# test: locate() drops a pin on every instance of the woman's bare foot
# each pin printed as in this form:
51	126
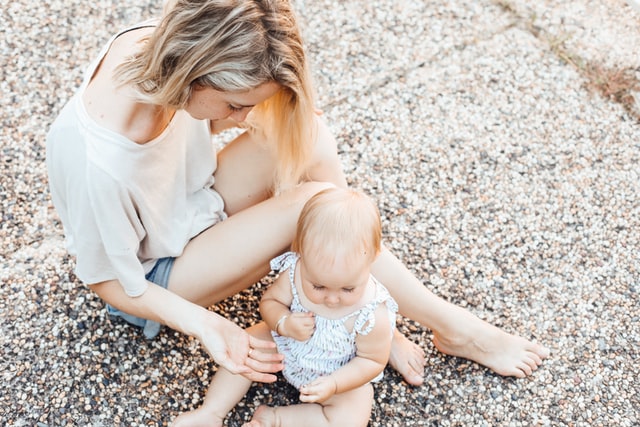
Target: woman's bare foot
198	418
503	353
407	358
263	417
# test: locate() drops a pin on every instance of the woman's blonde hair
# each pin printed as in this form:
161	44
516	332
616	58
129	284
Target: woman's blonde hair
233	46
339	220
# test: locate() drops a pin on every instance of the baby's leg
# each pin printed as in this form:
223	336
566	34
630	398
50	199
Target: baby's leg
351	408
224	393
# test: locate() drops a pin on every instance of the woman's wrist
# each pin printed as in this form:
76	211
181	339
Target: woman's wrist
165	307
194	320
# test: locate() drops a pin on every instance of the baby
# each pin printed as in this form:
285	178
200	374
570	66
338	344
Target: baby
330	318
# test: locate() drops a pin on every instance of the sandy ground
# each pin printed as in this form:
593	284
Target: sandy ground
506	181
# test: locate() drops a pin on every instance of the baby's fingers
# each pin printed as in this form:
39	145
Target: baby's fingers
308	398
302	315
307	395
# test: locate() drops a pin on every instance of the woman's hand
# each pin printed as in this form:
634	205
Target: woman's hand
318	390
228	344
237	351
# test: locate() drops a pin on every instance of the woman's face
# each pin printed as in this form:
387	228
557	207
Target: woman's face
208	103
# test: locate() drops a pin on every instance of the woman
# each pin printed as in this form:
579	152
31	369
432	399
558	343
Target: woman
162	226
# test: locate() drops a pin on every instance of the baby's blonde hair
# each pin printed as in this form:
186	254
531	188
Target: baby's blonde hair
233	46
339	220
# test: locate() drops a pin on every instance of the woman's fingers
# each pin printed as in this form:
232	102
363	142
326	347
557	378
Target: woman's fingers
264	351
252	369
265	357
261	377
263	360
240	353
257	343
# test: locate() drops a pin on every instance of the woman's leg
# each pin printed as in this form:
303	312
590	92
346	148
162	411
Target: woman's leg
457	332
234	254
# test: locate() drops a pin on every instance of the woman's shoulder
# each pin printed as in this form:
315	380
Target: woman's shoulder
113	106
125	44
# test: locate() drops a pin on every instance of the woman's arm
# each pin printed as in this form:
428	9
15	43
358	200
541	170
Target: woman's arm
227	343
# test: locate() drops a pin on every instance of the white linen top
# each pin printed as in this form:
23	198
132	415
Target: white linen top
332	345
124	205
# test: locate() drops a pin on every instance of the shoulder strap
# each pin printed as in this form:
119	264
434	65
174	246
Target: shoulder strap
91	69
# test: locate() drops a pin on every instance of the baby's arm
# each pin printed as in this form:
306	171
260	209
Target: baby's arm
372	355
274	309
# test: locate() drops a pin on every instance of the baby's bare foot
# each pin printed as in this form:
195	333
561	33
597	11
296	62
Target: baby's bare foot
198	418
407	358
264	416
503	353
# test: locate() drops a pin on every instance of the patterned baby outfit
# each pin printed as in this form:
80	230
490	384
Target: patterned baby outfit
331	346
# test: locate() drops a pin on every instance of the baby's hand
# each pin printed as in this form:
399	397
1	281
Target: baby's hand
299	326
318	390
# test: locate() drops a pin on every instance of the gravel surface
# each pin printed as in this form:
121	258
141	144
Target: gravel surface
506	179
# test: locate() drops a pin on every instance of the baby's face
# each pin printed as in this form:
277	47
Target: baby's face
335	282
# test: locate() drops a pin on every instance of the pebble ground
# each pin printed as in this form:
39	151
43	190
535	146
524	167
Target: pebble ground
505	180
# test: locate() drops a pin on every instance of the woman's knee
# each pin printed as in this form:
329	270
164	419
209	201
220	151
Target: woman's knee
325	163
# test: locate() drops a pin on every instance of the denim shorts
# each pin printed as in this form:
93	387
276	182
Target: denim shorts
159	275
